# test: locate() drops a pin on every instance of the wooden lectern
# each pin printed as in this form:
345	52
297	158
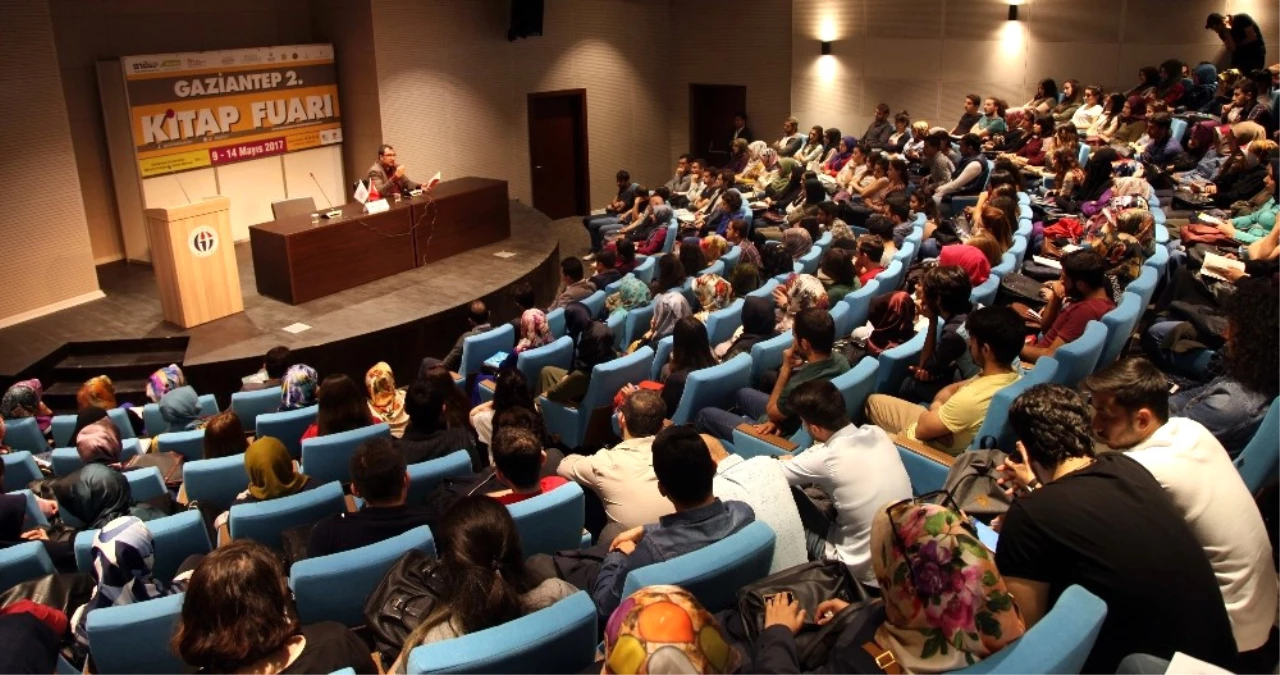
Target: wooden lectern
194	258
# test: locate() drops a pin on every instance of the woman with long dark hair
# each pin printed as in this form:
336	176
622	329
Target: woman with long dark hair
690	351
342	407
594	347
1097	180
483	576
671	275
511	390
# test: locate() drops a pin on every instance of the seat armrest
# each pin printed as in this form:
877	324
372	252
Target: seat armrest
924	450
489	384
776	441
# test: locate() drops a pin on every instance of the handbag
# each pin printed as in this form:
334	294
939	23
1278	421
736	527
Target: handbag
64	592
169	464
810	584
1199	233
972	482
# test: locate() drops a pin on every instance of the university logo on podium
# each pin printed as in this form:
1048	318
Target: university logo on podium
203	241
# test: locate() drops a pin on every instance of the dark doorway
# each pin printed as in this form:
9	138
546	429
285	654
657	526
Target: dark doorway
558	152
711	111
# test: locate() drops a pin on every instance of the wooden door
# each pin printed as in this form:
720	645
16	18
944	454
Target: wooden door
558	152
711	111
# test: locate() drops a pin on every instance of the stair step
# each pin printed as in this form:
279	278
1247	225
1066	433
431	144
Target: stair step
61	396
156	358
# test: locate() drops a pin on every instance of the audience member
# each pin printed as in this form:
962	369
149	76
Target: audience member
606	270
876	137
224	436
1242	38
690	351
510	390
685	476
945	292
99	392
953	418
593	348
1080	296
891	321
759	483
970	173
837	265
427	435
386	402
712	293
1103	522
792	140
380	477
758	324
518	456
159	383
237	617
969	117
341	406
272	473
180	410
869	257
298	388
477	322
575	288
623	476
274	365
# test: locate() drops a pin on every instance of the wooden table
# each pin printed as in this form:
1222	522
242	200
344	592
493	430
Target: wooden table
297	259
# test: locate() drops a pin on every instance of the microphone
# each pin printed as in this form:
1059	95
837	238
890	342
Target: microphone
180	187
332	212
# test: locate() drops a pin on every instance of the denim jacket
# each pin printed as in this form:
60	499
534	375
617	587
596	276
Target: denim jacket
675	534
1226	408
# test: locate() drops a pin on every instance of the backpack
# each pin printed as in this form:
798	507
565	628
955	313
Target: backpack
1015	287
971	482
406	595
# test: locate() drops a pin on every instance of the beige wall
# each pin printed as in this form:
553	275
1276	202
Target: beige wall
88	30
453	89
45	257
925	55
348	25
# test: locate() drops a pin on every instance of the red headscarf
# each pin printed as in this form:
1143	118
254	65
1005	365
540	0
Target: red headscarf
973	261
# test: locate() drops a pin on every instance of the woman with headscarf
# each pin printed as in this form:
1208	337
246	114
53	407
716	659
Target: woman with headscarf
837	161
807	202
668	308
1133	124
713	293
755	165
298	387
758	324
801	292
577	317
123	555
271	472
739	155
664	629
595	346
23	399
796	241
1172	86
938	585
163	381
1203	89
98	442
968	258
890	322
534	331
97	391
95	495
180	409
1125	244
386	402
1148	80
713	247
631	294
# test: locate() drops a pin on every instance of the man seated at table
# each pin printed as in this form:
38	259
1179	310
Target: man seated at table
388	177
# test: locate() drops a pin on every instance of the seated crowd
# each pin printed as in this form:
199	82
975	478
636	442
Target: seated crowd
1121	481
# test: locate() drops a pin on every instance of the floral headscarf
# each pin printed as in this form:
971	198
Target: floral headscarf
946	605
664	629
796	241
713	292
123	555
755	149
769	157
840	231
534	331
803	291
298	387
631	294
386	402
163	381
714	246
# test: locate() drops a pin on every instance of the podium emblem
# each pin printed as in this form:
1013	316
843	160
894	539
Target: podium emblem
203	241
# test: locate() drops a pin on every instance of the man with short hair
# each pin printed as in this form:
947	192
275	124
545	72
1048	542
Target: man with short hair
622	476
792	140
970	116
378	476
970	174
946	291
809	358
622	203
738	234
877	134
606	264
1103	522
387	177
478	322
274	364
685	477
880	226
679	183
1130	401
829	217
870	252
858	467
427	437
1242	38
950	423
898	210
518	458
1081	295
937	160
1163	148
574	288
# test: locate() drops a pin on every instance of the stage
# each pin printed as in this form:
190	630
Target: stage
399	319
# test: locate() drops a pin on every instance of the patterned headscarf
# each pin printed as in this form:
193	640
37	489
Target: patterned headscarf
940	587
714	246
163	381
270	470
664	629
631	294
534	331
97	391
840	231
19	401
769	157
386	402
796	241
99	443
669	308
298	387
803	291
123	556
713	292
893	318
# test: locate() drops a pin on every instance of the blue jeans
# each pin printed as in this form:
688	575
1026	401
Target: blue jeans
752	403
594	225
1191	364
930	248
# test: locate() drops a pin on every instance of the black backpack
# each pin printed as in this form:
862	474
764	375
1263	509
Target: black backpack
407	594
1015	287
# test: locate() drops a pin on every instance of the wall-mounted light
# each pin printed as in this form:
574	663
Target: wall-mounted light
826	47
1013	12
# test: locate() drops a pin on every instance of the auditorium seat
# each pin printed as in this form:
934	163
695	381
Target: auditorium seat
859	303
712	387
19	469
891	278
174	538
595	303
1079	358
646	268
327	458
722	323
766	355
555	322
1259	462
23	562
1019	251
1120	323
65	461
559	639
765	290
996	422
24	434
661	355
62	425
1158	260
1144	286
154	421
636	324
247	405
287	426
426	476
215	481
135	638
894	362
264	521
479	348
1059	643
189	444
808	263
146	484
1008	263
572	423
730	259
714	573
334	587
617	324
551	521
907	254
985	293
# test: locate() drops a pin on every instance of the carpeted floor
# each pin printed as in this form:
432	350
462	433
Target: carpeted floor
574	239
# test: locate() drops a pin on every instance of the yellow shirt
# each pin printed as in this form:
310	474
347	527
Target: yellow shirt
964	412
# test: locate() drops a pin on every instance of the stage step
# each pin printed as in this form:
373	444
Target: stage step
127	362
61	397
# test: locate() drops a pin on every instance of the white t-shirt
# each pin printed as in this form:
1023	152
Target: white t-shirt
759	483
861	470
1196	471
1085	116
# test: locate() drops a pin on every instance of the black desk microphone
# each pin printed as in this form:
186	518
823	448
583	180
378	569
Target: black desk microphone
332	212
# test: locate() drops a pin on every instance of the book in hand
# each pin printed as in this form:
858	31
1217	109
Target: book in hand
1213	261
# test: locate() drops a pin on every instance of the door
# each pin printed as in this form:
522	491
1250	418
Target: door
711	111
558	152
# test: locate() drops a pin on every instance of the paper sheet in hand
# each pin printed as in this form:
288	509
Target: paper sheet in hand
435	180
1047	262
1213	260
